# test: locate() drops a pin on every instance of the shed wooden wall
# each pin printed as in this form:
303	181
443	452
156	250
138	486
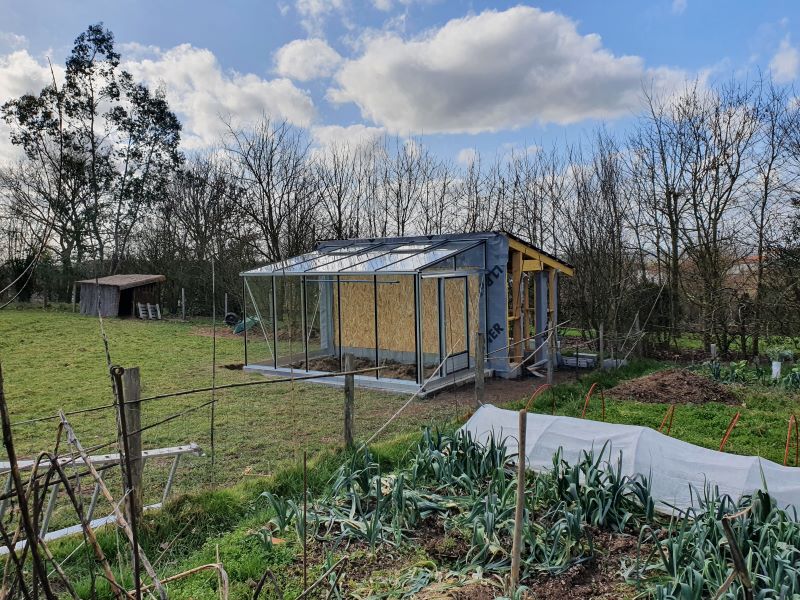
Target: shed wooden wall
109	300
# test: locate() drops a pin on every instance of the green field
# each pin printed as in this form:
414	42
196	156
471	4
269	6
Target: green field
55	359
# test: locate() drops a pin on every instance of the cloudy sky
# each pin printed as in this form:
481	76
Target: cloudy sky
465	75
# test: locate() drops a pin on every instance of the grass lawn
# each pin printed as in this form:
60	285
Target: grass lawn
54	359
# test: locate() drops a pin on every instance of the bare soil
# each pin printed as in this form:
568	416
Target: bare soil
391	369
599	578
673	386
499	391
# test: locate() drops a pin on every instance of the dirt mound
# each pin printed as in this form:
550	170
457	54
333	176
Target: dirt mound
673	386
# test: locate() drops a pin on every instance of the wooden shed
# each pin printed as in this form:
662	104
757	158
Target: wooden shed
118	294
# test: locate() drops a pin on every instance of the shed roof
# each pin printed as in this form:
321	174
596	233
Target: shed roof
124	282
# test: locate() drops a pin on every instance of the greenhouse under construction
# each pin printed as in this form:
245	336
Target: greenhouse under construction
409	305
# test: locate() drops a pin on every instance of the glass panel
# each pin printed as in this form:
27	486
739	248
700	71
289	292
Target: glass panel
455	307
306	262
397	341
290	322
260	341
474	308
419	261
356	262
474	258
318	342
430	325
358	319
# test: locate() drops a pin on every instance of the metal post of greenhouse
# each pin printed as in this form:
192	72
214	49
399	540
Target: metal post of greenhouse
274	322
466	316
244	316
418	350
303	317
375	315
339	315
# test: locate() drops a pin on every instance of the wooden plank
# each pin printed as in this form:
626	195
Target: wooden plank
100	459
532	265
536	255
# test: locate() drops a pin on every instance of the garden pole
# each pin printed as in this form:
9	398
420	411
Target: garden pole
516	549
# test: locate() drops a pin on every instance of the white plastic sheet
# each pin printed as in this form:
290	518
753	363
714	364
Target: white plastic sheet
671	465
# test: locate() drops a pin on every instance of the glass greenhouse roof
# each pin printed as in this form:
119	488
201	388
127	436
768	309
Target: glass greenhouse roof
387	257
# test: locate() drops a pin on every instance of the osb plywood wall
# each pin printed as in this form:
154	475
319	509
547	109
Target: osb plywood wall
396	328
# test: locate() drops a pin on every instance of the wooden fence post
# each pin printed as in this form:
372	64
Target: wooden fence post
349	400
480	362
131	393
516	547
183	304
226	303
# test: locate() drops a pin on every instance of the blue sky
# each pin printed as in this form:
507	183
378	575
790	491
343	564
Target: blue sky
485	75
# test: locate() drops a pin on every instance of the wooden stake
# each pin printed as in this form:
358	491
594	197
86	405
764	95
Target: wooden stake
128	489
131	392
480	355
349	400
183	304
516	548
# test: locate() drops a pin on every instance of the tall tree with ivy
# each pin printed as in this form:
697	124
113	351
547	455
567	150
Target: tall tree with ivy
99	150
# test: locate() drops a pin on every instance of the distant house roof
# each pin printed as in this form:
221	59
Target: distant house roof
124	282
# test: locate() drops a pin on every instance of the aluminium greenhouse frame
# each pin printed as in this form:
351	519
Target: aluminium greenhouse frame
337	264
410	305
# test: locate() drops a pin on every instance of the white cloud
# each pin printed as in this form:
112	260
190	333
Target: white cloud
14	41
785	64
314	12
21	73
351	136
384	5
202	93
492	71
306	59
678	6
466	156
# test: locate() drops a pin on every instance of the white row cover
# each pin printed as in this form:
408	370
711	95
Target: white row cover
671	465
